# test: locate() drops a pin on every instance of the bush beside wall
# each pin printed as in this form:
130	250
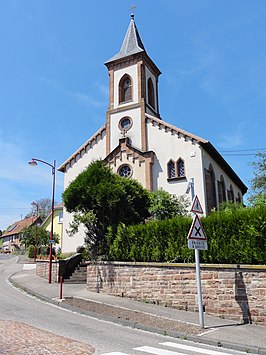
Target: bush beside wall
236	235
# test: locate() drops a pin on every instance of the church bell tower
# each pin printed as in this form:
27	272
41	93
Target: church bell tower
133	92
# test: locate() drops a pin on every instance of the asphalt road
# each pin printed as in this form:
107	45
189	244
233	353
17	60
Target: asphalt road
104	336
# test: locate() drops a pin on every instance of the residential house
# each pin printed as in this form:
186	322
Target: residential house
57	224
12	236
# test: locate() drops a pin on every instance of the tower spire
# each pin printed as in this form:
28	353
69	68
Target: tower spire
132	43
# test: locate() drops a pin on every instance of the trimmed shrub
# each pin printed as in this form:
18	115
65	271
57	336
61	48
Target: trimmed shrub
31	251
235	235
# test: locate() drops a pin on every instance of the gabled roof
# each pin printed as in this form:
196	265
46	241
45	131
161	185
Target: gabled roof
125	142
84	146
19	226
206	145
56	208
132	43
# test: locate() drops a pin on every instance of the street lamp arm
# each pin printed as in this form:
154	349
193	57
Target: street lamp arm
34	160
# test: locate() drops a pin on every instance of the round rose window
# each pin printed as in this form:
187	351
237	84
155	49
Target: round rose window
125	171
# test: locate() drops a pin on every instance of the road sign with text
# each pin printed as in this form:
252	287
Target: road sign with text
196	237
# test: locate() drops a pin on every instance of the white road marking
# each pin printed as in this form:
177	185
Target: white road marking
157	351
195	349
29	266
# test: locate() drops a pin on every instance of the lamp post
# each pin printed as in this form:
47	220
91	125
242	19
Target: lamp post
33	162
36	232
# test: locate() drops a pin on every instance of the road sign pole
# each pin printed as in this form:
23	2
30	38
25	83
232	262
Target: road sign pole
197	260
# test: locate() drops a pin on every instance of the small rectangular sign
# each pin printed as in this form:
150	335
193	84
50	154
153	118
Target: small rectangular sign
197	244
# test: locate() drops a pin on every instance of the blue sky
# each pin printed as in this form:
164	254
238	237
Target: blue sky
54	85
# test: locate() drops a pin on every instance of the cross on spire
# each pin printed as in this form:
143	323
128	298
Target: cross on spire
131	8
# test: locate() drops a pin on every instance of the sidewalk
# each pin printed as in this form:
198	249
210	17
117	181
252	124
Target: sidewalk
220	332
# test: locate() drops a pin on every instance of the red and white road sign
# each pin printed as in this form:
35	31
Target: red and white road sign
196	206
196	230
196	237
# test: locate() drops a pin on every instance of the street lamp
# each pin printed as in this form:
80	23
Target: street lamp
33	162
36	232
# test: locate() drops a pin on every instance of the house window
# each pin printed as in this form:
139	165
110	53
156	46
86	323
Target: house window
151	100
125	171
60	217
176	169
125	89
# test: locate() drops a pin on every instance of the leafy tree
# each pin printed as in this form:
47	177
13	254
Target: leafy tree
258	183
43	237
166	206
100	199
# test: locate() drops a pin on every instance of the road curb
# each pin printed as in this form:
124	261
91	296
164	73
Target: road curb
134	325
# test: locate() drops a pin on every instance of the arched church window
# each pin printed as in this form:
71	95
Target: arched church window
221	190
125	89
151	100
239	199
210	188
230	194
180	168
171	169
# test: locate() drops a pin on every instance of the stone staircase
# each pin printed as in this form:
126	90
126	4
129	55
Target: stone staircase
79	276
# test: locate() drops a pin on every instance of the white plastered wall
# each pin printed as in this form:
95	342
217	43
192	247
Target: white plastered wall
168	146
133	133
96	151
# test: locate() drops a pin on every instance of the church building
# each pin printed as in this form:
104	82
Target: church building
137	143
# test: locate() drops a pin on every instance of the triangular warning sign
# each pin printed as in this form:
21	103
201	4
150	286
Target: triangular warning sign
196	230
196	206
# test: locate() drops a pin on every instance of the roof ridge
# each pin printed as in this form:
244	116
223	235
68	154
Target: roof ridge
180	130
83	146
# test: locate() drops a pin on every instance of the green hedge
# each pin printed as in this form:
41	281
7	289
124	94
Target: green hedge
236	235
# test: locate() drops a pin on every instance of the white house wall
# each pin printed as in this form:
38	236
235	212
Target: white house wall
97	150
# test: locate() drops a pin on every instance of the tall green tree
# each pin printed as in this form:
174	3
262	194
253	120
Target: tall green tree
101	199
258	182
166	206
42	240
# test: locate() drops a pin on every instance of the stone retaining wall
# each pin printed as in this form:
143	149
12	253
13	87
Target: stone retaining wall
42	269
230	291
